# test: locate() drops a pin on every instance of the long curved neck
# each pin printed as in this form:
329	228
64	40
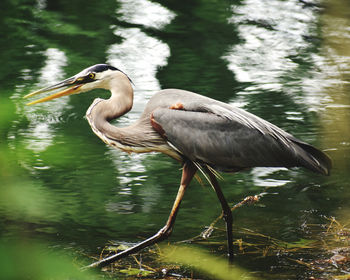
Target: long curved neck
102	111
121	100
139	137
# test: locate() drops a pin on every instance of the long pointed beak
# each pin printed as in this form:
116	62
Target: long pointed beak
70	85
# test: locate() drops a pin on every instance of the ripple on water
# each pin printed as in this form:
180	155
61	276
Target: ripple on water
260	173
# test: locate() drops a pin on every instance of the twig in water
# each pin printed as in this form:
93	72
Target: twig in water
248	200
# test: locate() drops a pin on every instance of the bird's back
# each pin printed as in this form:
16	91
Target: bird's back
211	132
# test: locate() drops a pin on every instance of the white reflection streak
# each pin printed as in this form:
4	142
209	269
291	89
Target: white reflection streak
144	12
40	134
140	56
41	4
259	174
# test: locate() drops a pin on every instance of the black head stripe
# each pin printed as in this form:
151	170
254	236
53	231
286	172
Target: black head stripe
98	68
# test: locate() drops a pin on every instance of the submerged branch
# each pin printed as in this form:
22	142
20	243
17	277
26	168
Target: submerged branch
249	200
246	201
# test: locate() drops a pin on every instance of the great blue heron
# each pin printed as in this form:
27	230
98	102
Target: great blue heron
201	133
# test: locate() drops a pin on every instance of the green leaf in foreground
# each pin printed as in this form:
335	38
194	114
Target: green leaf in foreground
25	259
212	266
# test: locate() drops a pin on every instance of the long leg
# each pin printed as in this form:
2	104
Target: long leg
226	213
187	174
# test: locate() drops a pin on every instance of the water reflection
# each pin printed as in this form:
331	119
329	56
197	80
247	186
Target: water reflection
273	33
40	135
274	56
41	4
262	177
146	13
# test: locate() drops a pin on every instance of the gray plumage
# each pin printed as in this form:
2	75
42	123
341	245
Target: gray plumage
228	138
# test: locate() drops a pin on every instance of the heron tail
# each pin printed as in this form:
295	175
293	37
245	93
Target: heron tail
314	159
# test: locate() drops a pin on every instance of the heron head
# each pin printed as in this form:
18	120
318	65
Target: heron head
96	76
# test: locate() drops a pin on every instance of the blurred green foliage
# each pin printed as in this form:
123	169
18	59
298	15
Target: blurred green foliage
24	258
208	264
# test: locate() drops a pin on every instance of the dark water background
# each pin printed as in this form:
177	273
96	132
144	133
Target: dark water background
286	61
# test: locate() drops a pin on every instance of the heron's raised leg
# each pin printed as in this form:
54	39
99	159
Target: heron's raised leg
188	172
226	213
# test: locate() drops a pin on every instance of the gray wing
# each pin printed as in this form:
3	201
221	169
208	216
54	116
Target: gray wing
229	138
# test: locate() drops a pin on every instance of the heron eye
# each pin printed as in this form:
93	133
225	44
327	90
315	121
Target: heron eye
92	76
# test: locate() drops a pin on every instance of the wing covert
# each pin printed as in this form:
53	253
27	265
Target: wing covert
221	141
